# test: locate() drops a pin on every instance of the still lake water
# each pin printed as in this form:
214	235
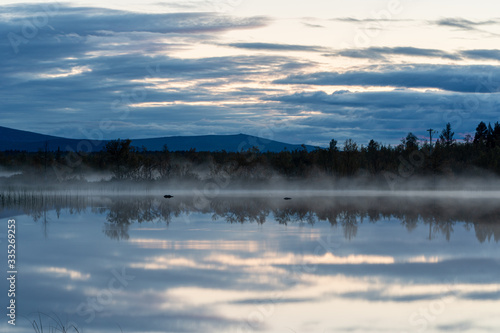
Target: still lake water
259	264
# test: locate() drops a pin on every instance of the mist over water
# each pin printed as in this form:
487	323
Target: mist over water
92	183
347	209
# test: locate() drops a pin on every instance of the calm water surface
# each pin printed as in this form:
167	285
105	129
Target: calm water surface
325	264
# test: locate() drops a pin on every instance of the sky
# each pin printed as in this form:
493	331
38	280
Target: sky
292	71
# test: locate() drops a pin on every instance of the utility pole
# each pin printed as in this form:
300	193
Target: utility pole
430	130
46	154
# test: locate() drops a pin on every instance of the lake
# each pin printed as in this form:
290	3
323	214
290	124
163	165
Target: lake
255	263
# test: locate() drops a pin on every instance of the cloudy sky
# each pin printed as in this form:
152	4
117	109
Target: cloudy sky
294	71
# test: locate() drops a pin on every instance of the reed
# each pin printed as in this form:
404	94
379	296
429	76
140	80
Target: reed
55	324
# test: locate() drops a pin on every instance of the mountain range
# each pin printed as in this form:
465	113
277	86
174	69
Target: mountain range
13	139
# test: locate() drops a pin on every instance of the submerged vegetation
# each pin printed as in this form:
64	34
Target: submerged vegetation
375	162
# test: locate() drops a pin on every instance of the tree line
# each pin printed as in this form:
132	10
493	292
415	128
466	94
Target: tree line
445	156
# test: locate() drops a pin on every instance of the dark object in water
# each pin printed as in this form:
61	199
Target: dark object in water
287	198
168	196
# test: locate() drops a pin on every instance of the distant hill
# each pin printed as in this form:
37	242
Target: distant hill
12	139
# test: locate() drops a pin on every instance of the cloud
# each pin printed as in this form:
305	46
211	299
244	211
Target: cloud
384	295
368	19
86	32
470	79
467	25
380	53
310	25
116	86
463	24
380	100
86	21
89	65
277	47
385	114
274	300
482	54
461	326
456	23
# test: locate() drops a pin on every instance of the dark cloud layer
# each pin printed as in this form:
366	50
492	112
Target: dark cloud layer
86	21
385	53
389	114
464	79
380	53
482	54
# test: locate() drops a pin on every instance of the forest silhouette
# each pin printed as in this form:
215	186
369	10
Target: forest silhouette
445	157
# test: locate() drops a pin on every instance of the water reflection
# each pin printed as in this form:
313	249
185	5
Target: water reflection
255	264
439	215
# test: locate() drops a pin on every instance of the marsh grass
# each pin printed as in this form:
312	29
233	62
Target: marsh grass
53	324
